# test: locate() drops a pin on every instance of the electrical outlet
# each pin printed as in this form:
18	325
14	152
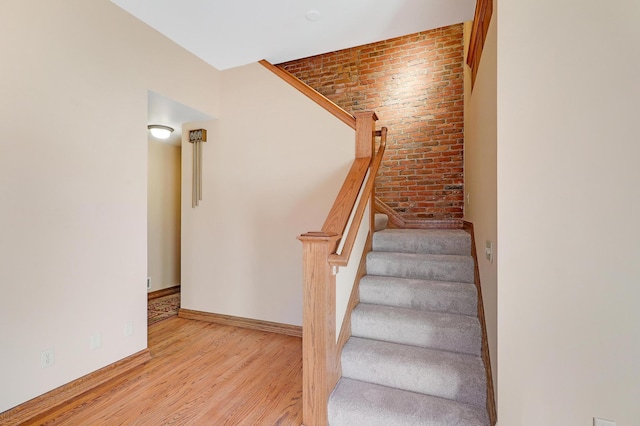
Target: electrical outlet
468	198
95	341
47	358
128	328
603	422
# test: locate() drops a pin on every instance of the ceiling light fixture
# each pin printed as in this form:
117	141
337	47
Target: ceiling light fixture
313	15
160	132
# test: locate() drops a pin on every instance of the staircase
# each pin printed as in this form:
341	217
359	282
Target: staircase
414	357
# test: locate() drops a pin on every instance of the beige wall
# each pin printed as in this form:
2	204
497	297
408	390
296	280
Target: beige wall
480	179
73	183
163	214
568	202
346	276
273	165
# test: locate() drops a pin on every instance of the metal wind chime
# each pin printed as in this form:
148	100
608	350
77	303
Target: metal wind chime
197	137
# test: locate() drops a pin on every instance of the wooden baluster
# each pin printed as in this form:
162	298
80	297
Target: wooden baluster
319	352
365	147
381	149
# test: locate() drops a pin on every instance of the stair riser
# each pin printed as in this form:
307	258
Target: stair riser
456	298
435	242
444	375
391	265
436	333
354	403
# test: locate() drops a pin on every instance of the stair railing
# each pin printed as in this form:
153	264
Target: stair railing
323	253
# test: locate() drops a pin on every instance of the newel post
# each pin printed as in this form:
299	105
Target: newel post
365	130
319	363
365	147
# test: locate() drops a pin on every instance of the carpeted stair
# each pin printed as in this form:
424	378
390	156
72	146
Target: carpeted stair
414	355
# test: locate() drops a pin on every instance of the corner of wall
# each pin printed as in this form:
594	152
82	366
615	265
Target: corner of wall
480	170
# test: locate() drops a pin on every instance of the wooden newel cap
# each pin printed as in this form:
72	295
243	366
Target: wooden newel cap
365	114
319	236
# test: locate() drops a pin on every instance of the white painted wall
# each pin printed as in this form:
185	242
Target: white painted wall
480	179
163	214
346	276
273	165
73	183
568	202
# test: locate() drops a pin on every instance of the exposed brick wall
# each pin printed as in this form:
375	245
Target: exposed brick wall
415	85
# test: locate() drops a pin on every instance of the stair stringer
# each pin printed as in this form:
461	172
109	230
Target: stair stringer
486	358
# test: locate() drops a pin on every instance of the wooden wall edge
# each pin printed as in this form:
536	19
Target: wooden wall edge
30	411
479	29
163	292
312	94
486	359
397	221
253	324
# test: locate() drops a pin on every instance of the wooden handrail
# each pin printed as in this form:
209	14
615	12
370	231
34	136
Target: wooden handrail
338	216
397	221
320	352
342	259
312	94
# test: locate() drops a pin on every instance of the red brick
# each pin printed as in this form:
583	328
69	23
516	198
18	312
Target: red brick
415	84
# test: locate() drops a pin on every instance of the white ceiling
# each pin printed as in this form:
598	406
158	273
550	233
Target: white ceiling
230	33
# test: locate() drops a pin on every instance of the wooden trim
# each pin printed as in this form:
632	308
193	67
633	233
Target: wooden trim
163	292
481	20
397	221
39	406
319	351
491	401
252	324
312	94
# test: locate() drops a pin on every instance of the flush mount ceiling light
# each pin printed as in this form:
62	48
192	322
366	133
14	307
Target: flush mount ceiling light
159	131
313	15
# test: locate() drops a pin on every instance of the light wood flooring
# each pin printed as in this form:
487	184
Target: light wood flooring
201	374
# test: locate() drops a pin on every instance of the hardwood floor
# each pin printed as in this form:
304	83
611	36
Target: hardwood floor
201	374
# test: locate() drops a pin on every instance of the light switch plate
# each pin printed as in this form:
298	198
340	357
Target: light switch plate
128	328
488	251
95	341
603	422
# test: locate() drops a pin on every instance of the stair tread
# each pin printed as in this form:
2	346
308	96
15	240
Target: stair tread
414	357
429	295
450	375
423	256
354	402
436	241
438	330
436	267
